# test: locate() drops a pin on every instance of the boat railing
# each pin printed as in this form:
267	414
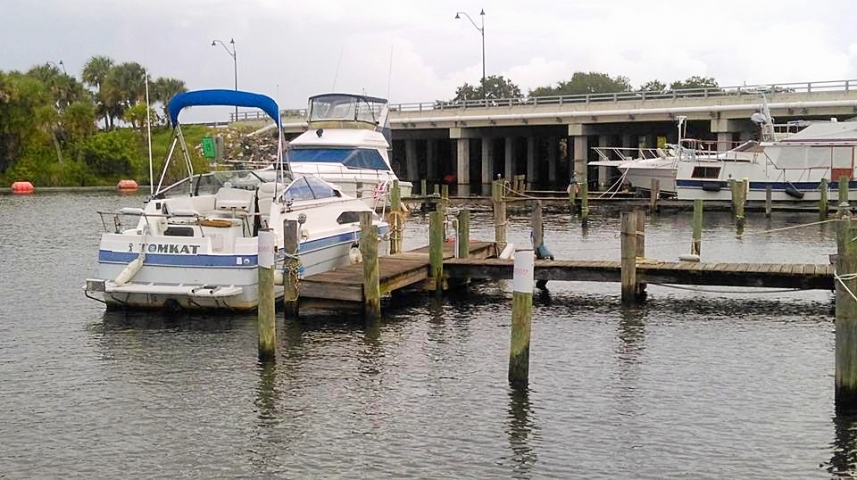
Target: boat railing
628	153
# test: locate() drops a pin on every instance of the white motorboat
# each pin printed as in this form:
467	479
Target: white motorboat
195	244
348	143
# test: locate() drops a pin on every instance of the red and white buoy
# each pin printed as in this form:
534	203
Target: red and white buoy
127	185
23	187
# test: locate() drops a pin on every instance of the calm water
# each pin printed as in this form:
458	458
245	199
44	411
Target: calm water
728	383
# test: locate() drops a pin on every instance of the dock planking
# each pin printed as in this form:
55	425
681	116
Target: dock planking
798	276
397	271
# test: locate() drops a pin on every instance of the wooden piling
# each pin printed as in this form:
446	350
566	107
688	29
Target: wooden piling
843	194
696	244
371	276
394	219
267	325
537	226
629	257
291	268
444	197
424	187
522	315
572	196
584	196
740	200
822	199
846	319
498	199
768	194
463	233
640	215
733	195
654	194
436	250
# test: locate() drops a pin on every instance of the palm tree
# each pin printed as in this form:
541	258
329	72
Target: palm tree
164	89
95	72
124	87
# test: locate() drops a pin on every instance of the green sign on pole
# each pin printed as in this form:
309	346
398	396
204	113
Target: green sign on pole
208	150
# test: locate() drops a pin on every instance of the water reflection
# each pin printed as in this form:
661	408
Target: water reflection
129	320
843	463
519	429
266	394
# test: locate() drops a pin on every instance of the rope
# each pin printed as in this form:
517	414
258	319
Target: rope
715	290
844	278
292	267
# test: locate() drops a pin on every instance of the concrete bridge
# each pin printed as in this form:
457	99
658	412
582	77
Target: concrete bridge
548	139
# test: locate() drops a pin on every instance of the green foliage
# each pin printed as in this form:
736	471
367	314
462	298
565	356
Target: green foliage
584	83
653	86
496	87
695	82
110	153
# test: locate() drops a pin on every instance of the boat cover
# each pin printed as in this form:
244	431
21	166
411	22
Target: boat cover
223	97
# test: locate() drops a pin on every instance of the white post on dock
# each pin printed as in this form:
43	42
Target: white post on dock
267	320
522	314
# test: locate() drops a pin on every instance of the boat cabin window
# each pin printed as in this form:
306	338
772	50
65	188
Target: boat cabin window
309	188
705	172
346	107
350	157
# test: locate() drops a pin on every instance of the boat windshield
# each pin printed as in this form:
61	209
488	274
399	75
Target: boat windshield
338	107
309	188
349	157
210	183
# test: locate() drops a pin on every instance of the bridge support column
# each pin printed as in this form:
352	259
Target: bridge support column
603	173
509	154
531	162
746	136
487	160
431	161
411	164
463	163
724	141
553	153
581	150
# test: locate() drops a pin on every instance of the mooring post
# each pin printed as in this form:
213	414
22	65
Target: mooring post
696	244
358	189
740	200
584	195
768	194
436	250
265	309
464	233
846	318
536	225
395	218
572	196
640	291
522	315
424	194
444	197
498	200
654	194
437	189
371	276
291	268
733	195
629	257
822	199
843	194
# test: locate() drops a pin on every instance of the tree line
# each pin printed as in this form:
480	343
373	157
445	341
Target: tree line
58	129
580	83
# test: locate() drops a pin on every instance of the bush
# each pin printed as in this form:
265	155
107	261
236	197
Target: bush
110	153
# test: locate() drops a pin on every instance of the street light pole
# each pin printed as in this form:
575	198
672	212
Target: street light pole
481	32
232	53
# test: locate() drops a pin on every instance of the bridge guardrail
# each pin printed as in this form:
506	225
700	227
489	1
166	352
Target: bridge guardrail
637	95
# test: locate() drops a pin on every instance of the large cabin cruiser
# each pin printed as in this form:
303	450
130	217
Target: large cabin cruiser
348	144
195	244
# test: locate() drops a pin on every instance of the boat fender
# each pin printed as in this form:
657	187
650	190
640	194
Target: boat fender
711	186
354	255
304	233
508	253
792	191
542	253
690	257
129	271
278	277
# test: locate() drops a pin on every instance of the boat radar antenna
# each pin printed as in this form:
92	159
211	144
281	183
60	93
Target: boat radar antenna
681	122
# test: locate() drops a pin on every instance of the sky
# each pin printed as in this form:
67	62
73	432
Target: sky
416	51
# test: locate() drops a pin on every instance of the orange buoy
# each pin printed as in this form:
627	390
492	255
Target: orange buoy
127	185
22	187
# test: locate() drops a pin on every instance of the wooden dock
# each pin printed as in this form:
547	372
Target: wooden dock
771	275
344	286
